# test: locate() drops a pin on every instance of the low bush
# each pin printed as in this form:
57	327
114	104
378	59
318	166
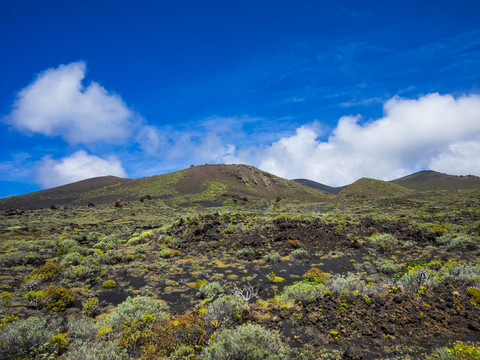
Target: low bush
109	284
419	276
458	350
35	299
72	258
90	306
465	273
462	243
387	266
160	338
82	329
299	254
226	310
96	350
384	241
302	290
474	293
14	258
246	342
273	257
210	290
134	309
29	339
347	282
49	271
58	298
245	253
315	275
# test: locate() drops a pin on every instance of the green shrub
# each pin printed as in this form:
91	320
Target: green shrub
210	290
81	329
134	309
96	350
474	293
246	342
109	284
4	321
245	253
226	310
58	298
384	241
14	258
387	266
315	275
59	341
348	282
160	338
302	290
299	254
29	339
168	253
26	246
468	274
457	351
274	278
72	258
48	271
36	299
273	257
463	243
418	276
458	242
69	243
90	306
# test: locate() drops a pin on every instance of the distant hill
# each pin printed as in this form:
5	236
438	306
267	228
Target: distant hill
431	180
371	188
319	186
207	185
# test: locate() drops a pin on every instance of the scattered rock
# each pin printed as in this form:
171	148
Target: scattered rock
13	212
473	325
121	204
145	198
352	353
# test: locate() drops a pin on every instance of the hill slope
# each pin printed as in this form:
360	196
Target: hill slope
320	186
432	180
207	185
371	188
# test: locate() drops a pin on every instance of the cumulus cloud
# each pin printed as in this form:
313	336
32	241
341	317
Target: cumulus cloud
58	104
437	132
75	167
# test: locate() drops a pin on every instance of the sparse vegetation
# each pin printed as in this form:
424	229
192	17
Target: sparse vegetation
154	279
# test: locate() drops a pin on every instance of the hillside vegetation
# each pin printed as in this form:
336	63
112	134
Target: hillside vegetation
378	272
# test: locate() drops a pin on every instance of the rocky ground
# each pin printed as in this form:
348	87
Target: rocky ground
368	299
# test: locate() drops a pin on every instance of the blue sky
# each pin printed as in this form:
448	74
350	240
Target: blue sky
326	90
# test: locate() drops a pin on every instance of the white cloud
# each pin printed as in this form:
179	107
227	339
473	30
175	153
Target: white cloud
462	158
75	167
58	104
438	132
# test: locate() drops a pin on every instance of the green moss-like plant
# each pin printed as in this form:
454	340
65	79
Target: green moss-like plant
474	293
109	284
315	275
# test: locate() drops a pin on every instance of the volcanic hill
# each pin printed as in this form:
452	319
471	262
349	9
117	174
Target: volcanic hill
205	185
